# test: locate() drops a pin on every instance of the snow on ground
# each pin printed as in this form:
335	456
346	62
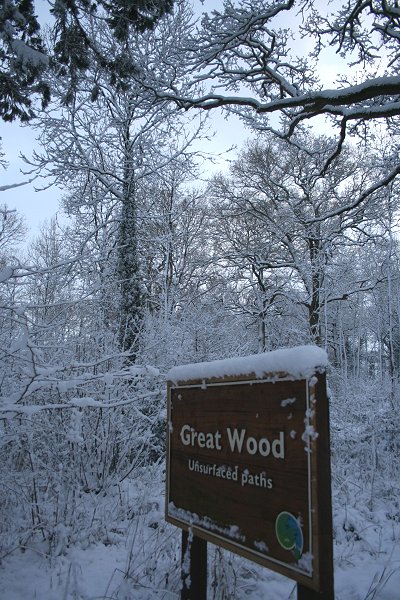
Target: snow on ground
139	560
126	551
81	573
97	572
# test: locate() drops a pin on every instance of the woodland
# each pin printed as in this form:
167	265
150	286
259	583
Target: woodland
164	258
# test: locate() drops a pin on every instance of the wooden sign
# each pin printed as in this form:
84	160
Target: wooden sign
248	469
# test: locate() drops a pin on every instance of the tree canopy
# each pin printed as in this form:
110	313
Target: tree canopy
24	56
248	59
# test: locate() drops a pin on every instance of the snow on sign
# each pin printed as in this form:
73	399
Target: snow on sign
248	458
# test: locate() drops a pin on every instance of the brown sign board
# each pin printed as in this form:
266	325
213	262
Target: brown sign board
248	469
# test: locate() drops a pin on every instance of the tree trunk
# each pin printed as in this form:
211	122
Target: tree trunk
128	266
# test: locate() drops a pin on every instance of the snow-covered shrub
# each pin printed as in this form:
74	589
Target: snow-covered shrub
71	433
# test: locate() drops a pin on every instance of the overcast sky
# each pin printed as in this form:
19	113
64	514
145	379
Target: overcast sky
37	206
34	206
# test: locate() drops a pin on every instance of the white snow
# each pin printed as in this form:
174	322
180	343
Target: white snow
232	531
28	55
288	402
134	560
300	362
6	273
261	547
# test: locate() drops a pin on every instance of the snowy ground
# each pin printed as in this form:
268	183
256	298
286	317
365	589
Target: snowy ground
138	559
98	572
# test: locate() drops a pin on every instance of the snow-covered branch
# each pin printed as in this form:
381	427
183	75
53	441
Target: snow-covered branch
10	186
336	102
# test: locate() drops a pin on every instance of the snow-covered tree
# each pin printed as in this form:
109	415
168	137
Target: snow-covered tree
24	58
110	139
12	231
256	59
284	225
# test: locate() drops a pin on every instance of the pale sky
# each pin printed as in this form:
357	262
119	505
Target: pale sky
37	206
34	206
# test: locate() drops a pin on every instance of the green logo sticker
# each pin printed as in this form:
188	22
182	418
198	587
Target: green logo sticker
289	533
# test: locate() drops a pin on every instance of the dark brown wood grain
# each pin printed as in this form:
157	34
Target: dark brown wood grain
237	515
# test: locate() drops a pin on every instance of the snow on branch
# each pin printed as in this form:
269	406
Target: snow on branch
249	60
331	101
85	402
383	182
4	188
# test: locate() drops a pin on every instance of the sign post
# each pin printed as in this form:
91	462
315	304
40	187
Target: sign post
249	464
194	568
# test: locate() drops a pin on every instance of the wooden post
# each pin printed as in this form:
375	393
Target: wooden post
194	582
306	593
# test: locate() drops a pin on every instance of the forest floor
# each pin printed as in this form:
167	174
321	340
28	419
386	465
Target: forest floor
137	558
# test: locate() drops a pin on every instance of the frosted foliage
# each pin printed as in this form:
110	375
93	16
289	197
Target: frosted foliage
82	436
